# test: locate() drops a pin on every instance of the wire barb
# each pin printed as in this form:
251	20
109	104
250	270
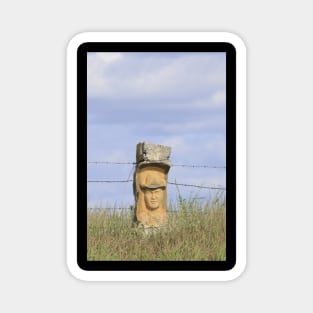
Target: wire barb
109	162
176	165
171	183
109	181
189	185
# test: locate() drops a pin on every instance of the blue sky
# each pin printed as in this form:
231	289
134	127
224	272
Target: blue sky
173	99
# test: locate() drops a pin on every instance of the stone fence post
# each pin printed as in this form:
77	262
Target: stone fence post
150	184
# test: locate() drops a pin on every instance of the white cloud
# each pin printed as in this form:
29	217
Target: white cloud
189	127
127	75
178	144
108	58
185	125
97	64
215	100
219	98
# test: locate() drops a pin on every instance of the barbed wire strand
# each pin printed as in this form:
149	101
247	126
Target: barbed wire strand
109	181
109	162
190	185
202	166
173	165
170	183
113	210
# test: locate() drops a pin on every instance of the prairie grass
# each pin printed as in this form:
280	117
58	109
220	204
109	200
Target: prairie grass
195	231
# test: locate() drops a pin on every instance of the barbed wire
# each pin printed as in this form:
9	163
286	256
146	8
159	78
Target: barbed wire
132	208
198	186
174	165
109	162
109	181
170	183
202	166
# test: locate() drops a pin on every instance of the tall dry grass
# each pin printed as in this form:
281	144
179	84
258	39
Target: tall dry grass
195	231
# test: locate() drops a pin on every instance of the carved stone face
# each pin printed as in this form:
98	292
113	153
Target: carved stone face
153	198
151	195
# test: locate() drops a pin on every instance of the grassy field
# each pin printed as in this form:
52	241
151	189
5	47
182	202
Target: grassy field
195	231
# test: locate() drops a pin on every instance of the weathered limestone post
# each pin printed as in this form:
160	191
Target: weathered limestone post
150	184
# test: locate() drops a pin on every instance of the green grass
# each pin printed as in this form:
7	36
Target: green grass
196	231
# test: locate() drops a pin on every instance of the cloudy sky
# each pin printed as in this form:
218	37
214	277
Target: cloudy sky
173	99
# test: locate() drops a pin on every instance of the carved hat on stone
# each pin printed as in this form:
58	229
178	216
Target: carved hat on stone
153	182
150	154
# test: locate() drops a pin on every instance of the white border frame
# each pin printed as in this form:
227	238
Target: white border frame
71	179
